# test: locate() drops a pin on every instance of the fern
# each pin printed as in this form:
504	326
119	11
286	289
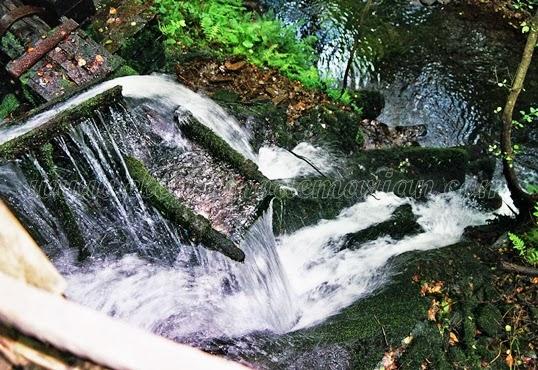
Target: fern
262	40
528	253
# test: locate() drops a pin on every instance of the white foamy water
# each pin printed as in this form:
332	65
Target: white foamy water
278	163
284	285
275	163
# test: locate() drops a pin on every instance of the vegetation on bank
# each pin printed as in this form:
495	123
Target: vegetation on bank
229	28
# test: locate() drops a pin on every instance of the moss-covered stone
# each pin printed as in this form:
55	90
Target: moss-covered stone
402	223
489	320
58	124
172	208
413	171
124	70
9	104
371	102
331	127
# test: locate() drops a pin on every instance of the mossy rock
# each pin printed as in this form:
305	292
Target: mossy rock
332	127
403	222
489	320
413	171
371	102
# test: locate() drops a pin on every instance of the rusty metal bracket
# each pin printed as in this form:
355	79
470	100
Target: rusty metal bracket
16	14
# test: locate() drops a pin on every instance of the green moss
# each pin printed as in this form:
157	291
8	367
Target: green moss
333	127
220	149
9	104
58	124
58	204
413	171
371	102
124	70
402	223
489	320
177	212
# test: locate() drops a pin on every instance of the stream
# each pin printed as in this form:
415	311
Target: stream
142	271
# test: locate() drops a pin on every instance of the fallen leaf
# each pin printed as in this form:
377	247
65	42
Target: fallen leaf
30	50
113	10
535	280
433	310
99	58
509	360
235	66
389	361
81	62
431	288
452	339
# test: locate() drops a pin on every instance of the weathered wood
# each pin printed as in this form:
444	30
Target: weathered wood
112	28
79	10
22	259
76	61
8	19
19	66
25	32
90	335
58	124
522	270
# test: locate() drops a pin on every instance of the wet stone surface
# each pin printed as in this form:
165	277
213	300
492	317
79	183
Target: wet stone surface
211	189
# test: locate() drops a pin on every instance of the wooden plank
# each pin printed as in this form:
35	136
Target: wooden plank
88	334
19	66
22	259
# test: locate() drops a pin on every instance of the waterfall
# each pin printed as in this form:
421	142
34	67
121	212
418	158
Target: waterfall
142	272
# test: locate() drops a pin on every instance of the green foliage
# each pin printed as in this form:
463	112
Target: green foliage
9	105
261	39
526	246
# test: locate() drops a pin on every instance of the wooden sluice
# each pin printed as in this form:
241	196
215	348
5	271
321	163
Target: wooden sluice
50	61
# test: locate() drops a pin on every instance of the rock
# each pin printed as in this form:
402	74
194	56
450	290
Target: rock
489	320
371	102
401	224
381	136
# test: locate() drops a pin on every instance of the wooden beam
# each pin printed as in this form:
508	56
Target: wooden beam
21	258
91	335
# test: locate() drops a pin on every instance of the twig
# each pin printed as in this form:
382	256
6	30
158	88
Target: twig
307	161
523	270
383	330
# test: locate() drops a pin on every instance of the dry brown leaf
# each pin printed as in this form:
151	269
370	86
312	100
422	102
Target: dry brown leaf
432	288
235	66
389	361
452	339
112	11
433	310
535	280
509	360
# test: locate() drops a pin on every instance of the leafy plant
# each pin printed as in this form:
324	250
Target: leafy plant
225	25
527	252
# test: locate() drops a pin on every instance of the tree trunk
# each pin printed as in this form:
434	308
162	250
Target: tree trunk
522	200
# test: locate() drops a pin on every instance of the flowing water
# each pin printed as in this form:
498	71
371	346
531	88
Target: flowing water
142	270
